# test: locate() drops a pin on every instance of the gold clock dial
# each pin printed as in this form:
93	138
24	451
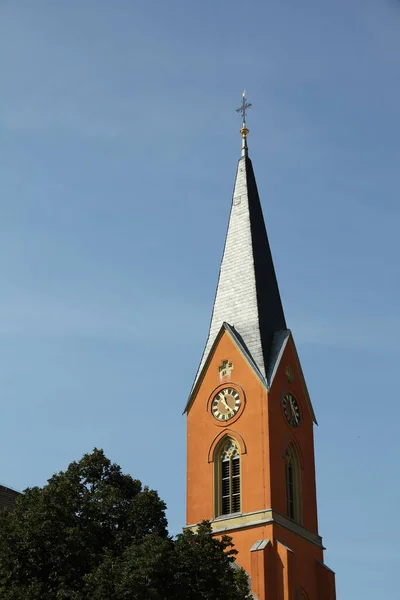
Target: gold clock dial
291	410
225	404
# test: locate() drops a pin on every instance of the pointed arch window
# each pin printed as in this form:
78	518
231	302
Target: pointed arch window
293	484
227	478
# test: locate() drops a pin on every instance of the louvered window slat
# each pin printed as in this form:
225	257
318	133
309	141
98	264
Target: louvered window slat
236	504
235	485
293	484
225	506
230	479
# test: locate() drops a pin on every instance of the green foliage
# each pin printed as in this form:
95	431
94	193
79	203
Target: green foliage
93	533
204	567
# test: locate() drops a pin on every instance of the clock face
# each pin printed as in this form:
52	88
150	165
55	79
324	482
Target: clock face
225	404
291	410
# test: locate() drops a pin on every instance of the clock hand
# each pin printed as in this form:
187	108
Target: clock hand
294	414
227	405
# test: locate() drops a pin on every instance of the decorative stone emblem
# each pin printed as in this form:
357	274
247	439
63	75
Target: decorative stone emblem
289	373
225	368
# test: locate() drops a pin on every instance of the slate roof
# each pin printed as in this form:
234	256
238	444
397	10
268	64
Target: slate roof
7	497
247	296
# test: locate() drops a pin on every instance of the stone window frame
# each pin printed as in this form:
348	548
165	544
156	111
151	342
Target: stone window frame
293	484
232	453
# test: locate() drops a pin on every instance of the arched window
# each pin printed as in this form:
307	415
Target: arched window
293	483
227	477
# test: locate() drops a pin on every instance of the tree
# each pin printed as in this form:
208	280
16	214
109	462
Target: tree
93	533
205	567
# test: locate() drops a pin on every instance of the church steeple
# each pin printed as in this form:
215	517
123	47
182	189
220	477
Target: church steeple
247	296
250	446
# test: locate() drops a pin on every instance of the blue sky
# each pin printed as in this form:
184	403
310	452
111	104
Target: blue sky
118	150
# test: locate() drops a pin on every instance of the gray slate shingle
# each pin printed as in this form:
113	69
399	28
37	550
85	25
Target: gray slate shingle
247	294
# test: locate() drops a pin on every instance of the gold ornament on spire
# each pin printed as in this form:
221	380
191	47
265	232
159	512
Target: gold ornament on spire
244	131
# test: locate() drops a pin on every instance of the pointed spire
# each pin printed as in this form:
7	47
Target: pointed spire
247	296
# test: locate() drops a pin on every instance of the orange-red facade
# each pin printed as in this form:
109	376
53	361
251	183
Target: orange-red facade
283	557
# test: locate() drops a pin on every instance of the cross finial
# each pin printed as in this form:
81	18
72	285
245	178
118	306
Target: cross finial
244	108
244	131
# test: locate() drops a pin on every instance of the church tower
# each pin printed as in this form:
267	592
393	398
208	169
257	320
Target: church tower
250	444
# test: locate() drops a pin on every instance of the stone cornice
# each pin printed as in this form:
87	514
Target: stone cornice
227	524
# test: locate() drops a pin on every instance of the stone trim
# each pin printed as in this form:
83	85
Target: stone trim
226	524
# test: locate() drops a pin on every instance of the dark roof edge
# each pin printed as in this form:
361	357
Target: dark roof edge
287	335
238	341
7	487
236	338
203	356
271	316
308	399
